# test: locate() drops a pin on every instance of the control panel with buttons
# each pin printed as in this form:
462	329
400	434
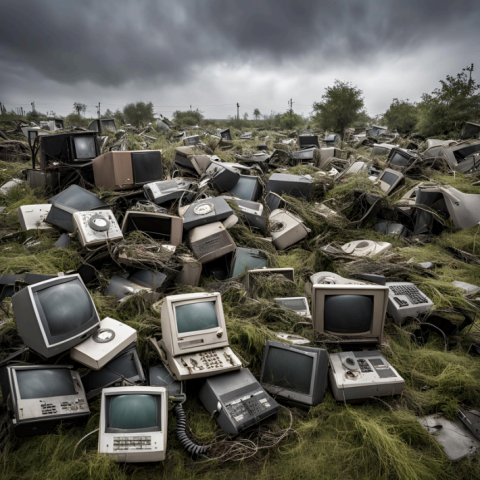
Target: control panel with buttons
96	227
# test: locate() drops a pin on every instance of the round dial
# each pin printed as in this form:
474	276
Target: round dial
99	223
204	208
104	335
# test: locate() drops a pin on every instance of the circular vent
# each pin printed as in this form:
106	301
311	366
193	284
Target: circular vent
276	227
204	208
104	335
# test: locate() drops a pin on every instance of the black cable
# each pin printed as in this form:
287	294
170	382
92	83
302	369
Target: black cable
191	447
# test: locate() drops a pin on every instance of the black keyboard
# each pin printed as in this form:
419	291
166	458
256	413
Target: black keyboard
411	292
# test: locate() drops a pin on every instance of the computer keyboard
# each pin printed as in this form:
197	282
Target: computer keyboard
411	292
132	443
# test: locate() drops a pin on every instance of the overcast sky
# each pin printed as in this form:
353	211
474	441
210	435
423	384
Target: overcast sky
211	54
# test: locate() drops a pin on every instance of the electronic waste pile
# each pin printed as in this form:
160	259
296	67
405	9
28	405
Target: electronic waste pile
182	233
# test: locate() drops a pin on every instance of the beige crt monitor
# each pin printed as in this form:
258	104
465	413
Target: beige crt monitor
195	340
350	313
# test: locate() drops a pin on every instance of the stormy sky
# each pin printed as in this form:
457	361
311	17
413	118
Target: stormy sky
211	54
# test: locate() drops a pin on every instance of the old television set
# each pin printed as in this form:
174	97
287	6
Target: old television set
103	125
222	176
40	397
124	370
126	170
375	131
470	130
191	161
69	148
294	185
194	336
350	313
295	373
246	259
400	158
167	190
55	315
191	141
159	226
225	134
66	203
458	156
248	187
389	179
308	141
381	149
133	423
332	140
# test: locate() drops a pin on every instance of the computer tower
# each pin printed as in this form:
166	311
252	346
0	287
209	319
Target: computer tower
286	229
209	242
206	211
127	170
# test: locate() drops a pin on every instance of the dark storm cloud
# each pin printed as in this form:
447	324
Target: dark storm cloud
111	42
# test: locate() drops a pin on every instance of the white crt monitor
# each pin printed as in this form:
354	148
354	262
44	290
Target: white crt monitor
350	313
133	423
193	322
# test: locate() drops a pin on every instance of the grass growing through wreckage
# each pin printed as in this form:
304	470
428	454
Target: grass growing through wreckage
373	440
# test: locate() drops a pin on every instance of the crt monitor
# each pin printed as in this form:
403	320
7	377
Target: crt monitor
133	423
247	259
350	313
297	374
308	141
83	147
247	188
400	158
389	179
40	397
159	226
376	130
192	322
55	315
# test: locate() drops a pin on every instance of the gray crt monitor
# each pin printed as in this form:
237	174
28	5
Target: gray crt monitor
55	315
296	373
247	259
400	158
389	179
247	188
294	185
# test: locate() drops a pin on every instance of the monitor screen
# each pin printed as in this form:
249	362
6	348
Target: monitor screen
348	314
147	166
248	259
84	146
389	178
193	317
245	187
289	369
159	228
53	382
66	306
399	160
132	412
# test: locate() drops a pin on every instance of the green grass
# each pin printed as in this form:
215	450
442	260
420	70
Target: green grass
372	440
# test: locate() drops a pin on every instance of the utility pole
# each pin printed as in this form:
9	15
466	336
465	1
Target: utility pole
190	108
238	111
290	102
33	106
98	110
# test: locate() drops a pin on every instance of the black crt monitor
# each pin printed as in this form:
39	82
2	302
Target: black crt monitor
83	147
375	131
308	141
40	397
123	369
273	201
225	134
400	158
295	373
426	220
148	279
247	188
247	259
294	185
470	130
55	315
73	199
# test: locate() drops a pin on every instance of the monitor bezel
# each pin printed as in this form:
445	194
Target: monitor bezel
209	338
40	317
386	187
73	148
283	392
380	302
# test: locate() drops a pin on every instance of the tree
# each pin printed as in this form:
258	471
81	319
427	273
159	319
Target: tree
78	108
291	121
188	117
108	113
256	114
76	120
139	113
446	109
245	116
340	107
401	115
